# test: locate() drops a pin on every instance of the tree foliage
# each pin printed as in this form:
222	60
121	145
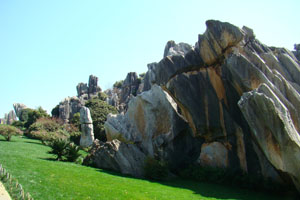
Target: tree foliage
118	84
55	111
29	116
99	111
8	131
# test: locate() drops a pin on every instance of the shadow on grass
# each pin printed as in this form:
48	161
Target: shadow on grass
209	190
37	142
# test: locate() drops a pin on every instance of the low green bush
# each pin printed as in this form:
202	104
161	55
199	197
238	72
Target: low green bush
155	169
58	148
8	131
72	152
64	150
49	129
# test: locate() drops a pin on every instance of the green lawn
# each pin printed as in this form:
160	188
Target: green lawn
28	161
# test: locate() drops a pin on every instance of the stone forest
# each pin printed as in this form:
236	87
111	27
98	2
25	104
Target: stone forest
229	103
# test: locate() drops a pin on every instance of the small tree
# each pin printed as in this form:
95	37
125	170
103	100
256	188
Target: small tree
8	131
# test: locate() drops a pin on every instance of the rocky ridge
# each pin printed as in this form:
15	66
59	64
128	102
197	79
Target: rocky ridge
228	102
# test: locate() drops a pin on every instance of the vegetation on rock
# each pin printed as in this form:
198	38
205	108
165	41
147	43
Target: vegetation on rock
99	111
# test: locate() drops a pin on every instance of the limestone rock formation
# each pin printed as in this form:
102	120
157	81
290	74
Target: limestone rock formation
86	122
191	109
19	107
120	97
87	91
11	117
153	123
172	48
297	51
68	107
119	156
273	129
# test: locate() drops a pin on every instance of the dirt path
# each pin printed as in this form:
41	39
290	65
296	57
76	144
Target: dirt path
3	193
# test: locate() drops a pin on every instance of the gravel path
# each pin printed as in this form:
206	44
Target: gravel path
3	193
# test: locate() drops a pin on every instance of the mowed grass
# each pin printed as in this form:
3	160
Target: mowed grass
28	161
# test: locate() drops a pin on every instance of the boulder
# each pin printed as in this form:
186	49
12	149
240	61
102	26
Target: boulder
151	120
213	154
118	156
87	136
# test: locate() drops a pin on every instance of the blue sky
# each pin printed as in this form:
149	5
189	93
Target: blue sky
48	47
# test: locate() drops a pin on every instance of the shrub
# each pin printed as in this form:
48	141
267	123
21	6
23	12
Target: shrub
55	111
76	120
8	131
29	116
118	84
58	147
19	124
72	152
49	129
155	169
64	149
102	96
99	111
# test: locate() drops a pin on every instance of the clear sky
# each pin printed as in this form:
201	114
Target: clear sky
48	47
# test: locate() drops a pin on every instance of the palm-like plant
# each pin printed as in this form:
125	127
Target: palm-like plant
58	147
72	152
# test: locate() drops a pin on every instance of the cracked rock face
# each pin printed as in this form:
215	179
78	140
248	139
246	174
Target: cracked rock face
238	98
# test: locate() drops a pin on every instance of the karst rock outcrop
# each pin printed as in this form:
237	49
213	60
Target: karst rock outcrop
72	105
87	91
229	102
68	107
19	107
86	122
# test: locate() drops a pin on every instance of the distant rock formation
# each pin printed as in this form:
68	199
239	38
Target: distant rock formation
87	136
87	91
228	102
71	105
68	107
19	107
297	51
9	118
120	97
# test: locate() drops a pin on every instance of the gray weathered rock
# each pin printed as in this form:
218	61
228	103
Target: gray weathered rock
18	107
11	117
273	130
68	107
118	156
93	88
196	117
82	89
214	154
87	91
172	48
87	136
